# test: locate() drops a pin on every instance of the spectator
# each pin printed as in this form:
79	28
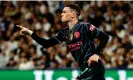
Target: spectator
3	60
114	18
26	64
11	64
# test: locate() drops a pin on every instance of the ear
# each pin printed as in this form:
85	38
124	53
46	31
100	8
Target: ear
73	14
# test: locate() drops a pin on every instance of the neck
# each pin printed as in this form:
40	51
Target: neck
72	23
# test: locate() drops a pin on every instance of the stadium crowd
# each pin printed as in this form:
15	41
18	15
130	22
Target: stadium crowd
22	52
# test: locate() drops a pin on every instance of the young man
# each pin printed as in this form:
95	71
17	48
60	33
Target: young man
79	37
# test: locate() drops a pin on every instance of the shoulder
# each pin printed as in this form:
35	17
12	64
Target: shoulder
64	30
84	25
87	26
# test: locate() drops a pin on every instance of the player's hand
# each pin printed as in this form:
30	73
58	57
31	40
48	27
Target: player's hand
93	58
24	31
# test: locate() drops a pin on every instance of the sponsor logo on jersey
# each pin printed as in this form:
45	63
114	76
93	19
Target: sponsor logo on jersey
75	46
76	34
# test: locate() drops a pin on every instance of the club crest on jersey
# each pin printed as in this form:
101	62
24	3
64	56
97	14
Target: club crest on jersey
76	34
92	27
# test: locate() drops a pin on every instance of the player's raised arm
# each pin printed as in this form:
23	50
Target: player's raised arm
44	42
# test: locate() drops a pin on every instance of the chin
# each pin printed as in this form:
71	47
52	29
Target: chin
64	20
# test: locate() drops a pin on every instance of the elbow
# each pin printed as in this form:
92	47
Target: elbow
103	37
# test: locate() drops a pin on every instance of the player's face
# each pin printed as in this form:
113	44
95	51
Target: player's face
67	14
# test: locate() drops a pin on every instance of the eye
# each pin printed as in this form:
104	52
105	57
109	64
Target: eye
63	11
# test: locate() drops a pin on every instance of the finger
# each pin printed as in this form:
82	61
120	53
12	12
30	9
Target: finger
89	61
97	59
21	27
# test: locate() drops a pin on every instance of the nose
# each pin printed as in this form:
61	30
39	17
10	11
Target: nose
61	14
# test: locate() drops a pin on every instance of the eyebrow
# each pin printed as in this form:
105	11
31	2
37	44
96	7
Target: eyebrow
63	11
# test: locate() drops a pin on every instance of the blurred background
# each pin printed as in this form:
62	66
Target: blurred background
43	17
